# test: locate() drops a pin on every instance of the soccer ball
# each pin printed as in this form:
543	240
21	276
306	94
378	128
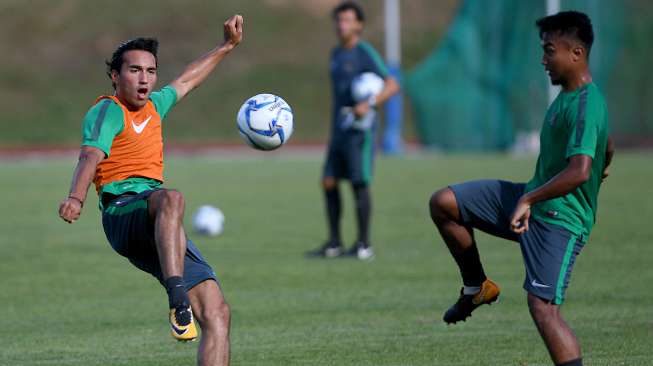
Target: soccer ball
265	121
366	85
208	220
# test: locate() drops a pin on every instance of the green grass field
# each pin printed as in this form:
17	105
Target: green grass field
68	299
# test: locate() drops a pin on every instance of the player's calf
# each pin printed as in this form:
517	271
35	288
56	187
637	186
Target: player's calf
558	337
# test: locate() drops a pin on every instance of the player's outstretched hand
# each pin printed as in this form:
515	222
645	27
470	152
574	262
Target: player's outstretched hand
233	30
519	218
70	209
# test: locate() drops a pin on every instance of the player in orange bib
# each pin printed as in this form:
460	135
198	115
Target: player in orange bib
122	153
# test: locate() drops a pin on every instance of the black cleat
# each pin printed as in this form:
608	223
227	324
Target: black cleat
362	251
463	308
330	249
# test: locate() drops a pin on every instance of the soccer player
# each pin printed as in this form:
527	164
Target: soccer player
122	153
350	153
552	215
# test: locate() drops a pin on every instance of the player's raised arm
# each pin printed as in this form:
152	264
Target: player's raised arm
71	207
197	71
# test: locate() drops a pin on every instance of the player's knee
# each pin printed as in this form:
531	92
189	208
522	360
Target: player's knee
173	200
329	183
442	205
217	316
542	311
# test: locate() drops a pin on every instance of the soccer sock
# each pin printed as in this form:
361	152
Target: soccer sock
470	266
576	362
332	197
176	290
363	211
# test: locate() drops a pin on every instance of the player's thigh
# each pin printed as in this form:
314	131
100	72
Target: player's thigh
549	253
209	306
487	205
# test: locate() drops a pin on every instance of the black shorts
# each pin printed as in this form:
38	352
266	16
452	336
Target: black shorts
549	251
351	157
130	231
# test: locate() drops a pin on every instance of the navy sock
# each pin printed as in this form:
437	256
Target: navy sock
363	212
176	290
332	197
470	266
576	362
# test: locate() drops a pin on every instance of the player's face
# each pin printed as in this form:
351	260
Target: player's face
347	26
558	57
136	79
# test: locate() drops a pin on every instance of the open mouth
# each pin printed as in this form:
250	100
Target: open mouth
142	92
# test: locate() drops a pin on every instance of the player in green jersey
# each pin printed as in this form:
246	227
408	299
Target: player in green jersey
552	215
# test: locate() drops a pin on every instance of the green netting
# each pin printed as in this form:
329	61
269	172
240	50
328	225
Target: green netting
484	83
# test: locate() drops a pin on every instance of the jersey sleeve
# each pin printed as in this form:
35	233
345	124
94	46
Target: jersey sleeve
164	100
584	118
374	62
102	123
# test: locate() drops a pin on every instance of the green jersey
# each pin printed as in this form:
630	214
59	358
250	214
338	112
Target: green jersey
575	123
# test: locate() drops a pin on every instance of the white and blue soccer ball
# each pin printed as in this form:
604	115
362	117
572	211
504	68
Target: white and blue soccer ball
265	121
208	220
365	86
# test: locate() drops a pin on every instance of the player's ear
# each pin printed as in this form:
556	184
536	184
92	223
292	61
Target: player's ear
114	77
577	53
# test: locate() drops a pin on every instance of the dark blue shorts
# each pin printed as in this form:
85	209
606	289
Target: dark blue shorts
549	251
351	157
130	231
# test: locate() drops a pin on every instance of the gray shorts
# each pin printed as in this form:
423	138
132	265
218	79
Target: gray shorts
130	231
549	250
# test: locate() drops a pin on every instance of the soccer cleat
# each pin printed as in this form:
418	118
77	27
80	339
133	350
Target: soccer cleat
362	251
463	308
330	249
182	325
365	253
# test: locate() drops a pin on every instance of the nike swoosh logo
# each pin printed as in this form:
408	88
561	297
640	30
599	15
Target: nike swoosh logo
140	127
537	284
179	331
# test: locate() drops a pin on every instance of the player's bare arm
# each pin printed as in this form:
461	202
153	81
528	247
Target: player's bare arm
576	173
197	71
71	207
609	153
390	88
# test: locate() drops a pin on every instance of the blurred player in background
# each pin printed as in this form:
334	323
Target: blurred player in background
552	215
122	153
350	152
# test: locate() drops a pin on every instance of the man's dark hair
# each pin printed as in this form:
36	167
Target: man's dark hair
349	5
150	45
569	23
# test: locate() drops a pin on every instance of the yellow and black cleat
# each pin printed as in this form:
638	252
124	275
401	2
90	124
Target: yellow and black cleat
182	325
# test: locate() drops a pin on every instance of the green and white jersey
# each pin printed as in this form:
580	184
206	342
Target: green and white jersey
576	123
